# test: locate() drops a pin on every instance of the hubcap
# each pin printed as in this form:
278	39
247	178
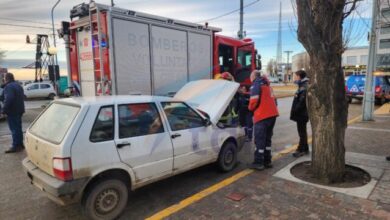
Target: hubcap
229	157
106	201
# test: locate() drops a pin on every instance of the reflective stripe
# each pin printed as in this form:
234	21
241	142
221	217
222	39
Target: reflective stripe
261	151
268	148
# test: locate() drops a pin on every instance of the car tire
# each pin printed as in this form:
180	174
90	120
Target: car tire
227	158
380	101
51	96
106	199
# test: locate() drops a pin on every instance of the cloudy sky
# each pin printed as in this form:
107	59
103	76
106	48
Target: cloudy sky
21	17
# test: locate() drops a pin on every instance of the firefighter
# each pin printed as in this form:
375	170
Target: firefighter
263	105
230	116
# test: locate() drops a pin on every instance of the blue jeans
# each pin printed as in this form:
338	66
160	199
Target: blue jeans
263	140
15	125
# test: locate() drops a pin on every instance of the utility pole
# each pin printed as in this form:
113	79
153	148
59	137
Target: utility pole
288	59
368	97
241	31
55	61
279	58
112	3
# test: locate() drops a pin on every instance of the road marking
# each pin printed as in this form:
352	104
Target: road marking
200	195
369	129
206	192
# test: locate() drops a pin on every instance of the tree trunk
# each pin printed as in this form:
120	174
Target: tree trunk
320	32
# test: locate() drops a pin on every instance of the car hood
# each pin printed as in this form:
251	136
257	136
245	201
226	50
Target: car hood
210	96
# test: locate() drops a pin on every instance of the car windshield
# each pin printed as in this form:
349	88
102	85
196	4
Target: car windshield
53	124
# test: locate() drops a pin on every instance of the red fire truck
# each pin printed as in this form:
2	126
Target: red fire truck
119	51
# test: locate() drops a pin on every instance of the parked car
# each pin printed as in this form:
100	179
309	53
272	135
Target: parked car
104	146
2	117
354	87
39	90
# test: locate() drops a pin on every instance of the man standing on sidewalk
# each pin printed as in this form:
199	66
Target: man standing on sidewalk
14	109
299	112
263	105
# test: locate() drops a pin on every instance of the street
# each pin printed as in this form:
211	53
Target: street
21	200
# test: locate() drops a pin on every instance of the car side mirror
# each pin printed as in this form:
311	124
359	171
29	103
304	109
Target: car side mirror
221	125
207	122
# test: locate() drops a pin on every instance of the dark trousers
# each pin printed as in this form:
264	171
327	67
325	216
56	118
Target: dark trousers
249	125
15	125
302	132
263	140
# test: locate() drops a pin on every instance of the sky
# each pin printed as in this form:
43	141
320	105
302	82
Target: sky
260	22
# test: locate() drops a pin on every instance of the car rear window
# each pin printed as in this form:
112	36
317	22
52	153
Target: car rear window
53	124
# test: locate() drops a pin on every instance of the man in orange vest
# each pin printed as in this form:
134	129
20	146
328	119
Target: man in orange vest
263	105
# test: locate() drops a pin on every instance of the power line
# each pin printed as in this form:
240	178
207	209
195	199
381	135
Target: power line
228	13
21	20
27	26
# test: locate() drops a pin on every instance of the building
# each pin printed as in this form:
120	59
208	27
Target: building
383	38
354	61
2	72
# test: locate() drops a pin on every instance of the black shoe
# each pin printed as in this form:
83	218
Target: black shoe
300	153
256	166
13	150
268	165
388	158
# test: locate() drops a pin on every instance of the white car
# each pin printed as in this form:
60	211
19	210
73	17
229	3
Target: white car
39	90
95	149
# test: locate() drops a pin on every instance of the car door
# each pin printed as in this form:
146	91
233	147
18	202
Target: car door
45	90
142	141
192	138
32	91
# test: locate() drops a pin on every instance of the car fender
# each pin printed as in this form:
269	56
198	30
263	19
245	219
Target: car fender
116	166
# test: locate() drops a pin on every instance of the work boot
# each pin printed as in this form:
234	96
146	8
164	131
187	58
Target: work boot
268	165
299	153
256	166
13	150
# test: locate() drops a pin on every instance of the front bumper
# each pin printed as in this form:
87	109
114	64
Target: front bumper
62	193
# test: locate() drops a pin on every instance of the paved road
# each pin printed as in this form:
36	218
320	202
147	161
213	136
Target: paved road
20	200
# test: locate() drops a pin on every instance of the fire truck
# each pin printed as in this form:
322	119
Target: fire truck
115	51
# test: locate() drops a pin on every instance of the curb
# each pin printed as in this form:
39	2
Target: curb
383	110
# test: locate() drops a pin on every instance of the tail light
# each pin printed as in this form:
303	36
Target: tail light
62	168
378	89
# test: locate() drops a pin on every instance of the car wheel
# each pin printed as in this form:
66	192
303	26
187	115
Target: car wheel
380	101
349	100
227	158
51	96
106	199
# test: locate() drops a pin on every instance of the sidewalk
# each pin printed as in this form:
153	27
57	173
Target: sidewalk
265	196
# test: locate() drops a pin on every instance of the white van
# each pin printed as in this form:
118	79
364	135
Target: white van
94	149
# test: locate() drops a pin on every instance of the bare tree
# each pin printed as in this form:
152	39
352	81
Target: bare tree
272	67
2	55
303	62
320	30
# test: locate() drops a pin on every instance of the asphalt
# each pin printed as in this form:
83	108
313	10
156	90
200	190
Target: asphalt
20	200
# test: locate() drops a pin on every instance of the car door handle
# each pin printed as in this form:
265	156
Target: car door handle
124	144
173	136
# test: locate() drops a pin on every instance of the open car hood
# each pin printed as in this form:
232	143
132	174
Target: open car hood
209	96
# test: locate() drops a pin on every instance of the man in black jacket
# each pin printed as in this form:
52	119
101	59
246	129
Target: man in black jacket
299	113
14	109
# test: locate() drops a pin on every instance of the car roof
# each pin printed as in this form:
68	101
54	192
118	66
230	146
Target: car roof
109	100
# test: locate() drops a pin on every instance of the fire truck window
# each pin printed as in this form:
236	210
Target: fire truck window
243	70
225	58
244	58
